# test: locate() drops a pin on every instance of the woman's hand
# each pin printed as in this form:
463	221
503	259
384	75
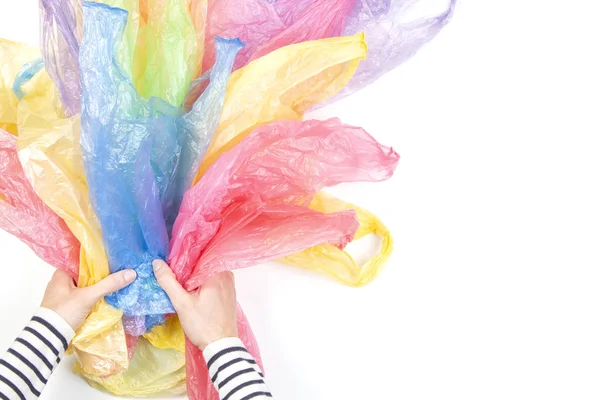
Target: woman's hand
74	304
207	315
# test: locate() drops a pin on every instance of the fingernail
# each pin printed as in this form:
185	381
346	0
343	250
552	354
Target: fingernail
130	275
157	264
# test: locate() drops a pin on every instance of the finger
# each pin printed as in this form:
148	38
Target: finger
166	279
111	284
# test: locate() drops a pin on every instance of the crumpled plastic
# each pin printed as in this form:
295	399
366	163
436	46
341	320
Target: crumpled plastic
392	36
254	185
140	156
170	51
61	29
392	39
336	263
267	25
168	335
164	372
252	204
13	55
24	215
290	80
159	37
49	151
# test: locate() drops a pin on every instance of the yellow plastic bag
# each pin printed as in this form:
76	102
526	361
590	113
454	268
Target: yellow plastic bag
338	264
198	9
49	151
168	336
151	371
99	344
13	56
281	86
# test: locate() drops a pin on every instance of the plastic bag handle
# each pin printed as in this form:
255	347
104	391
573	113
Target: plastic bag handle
336	263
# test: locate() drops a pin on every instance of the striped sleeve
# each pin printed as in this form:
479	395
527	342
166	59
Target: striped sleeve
28	364
234	371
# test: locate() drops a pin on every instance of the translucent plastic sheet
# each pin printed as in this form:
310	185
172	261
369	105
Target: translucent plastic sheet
49	151
391	36
168	335
61	28
171	51
252	205
140	156
13	55
257	197
337	263
198	10
164	372
290	80
25	216
127	49
301	24
267	25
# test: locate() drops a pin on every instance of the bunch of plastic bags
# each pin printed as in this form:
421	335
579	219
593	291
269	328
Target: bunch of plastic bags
174	129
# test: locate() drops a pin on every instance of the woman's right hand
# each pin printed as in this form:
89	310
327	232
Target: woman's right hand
207	315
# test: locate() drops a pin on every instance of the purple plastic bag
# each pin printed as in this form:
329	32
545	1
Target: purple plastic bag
390	38
60	49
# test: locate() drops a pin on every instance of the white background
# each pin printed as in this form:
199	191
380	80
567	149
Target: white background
493	290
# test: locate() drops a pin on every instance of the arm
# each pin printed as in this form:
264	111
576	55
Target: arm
209	320
28	364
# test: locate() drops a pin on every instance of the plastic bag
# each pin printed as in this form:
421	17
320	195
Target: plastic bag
139	158
290	80
25	216
171	51
164	372
168	335
252	204
302	25
49	151
61	29
48	148
198	9
391	39
13	55
337	263
128	49
266	25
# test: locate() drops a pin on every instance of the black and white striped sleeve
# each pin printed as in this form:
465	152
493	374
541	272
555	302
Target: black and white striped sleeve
234	371
27	365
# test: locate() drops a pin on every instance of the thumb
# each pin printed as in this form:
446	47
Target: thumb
111	284
166	279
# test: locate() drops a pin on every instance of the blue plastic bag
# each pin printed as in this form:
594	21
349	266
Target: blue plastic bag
140	156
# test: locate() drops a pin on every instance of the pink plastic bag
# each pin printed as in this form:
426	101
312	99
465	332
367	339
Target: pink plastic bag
24	215
251	207
265	26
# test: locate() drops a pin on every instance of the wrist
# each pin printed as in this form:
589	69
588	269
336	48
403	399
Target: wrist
214	335
219	345
57	321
